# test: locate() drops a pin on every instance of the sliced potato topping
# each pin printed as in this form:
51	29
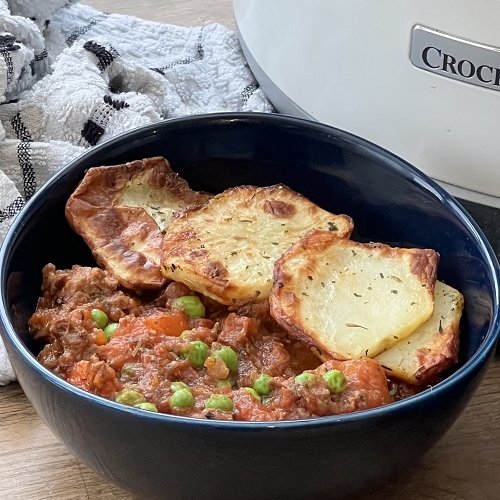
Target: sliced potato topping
343	298
121	212
351	299
226	249
431	348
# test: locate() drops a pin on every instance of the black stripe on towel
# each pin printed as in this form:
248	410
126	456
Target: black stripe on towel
199	55
12	209
43	55
20	129
92	132
24	159
247	93
115	103
81	30
8	64
96	125
24	156
105	56
8	42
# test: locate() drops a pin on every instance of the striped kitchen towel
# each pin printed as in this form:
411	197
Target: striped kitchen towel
72	77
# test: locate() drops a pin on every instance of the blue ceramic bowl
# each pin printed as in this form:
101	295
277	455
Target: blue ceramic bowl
163	456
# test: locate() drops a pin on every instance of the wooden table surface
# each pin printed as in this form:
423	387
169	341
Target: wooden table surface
465	464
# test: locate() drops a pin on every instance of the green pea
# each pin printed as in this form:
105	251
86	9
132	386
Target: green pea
304	378
229	357
335	380
197	352
224	383
262	384
183	398
130	397
147	406
253	393
130	370
191	305
100	318
177	386
219	402
186	334
110	330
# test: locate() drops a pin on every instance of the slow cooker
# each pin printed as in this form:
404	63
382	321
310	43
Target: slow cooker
418	77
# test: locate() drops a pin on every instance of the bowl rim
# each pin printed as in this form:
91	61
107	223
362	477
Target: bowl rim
356	144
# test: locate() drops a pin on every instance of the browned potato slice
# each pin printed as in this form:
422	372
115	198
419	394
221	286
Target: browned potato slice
226	249
351	299
431	348
121	212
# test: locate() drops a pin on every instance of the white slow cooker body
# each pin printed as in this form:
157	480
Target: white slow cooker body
347	64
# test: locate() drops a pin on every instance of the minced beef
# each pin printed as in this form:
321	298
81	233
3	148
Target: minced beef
149	352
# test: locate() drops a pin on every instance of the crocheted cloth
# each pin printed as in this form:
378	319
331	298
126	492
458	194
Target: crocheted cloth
72	77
